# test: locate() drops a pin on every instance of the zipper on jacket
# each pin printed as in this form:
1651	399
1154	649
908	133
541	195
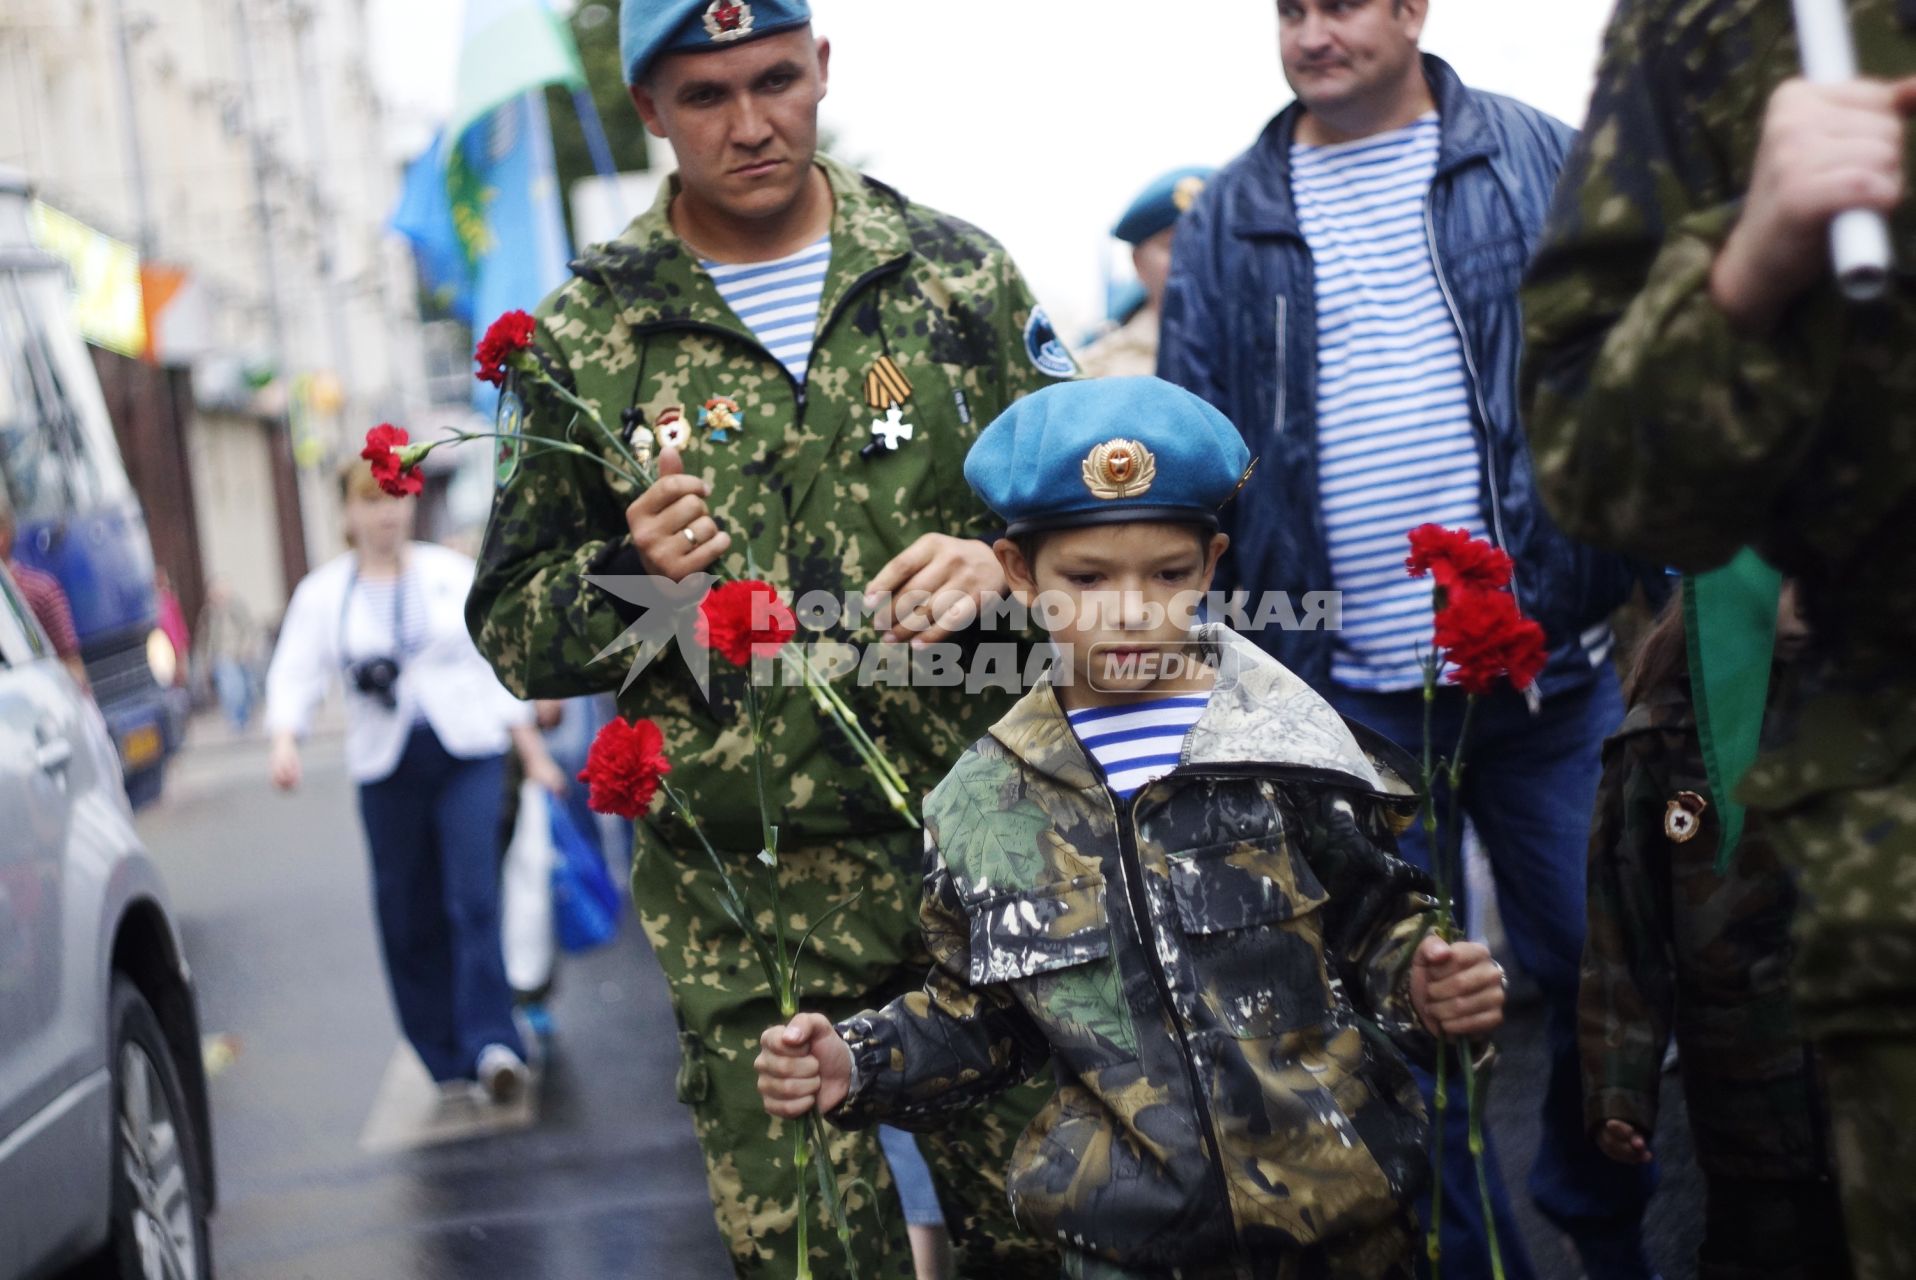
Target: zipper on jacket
1154	963
1476	389
1283	338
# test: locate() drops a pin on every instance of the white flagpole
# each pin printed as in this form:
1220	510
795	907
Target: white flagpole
1859	238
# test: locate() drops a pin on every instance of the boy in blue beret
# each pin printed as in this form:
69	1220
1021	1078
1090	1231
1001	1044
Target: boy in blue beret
1170	871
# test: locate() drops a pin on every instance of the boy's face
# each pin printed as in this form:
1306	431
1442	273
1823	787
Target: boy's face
1120	599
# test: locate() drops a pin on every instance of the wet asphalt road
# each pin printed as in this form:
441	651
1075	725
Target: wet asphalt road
272	895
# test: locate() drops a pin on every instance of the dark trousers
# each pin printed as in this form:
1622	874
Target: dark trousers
433	827
1530	786
1772	1229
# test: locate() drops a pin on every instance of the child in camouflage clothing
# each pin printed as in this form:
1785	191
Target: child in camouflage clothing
1674	947
1175	882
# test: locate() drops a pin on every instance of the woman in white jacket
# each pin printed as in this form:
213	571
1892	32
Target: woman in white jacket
427	730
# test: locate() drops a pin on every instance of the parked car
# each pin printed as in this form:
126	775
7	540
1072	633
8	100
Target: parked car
78	516
106	1152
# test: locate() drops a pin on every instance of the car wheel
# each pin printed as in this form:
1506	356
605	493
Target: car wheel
159	1191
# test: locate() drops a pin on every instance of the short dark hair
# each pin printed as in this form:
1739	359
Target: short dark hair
1028	544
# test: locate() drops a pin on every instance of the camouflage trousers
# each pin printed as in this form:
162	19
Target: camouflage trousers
864	956
1855	984
1383	1253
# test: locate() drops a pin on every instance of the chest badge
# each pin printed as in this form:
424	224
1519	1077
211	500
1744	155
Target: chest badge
886	390
673	431
1119	469
1684	818
719	419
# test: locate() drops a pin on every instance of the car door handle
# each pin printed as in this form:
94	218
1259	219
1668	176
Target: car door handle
53	755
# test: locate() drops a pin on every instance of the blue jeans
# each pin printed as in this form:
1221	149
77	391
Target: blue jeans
433	827
1530	786
916	1191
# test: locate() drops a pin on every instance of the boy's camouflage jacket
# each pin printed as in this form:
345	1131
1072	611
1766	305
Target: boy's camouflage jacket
642	328
1218	970
1673	945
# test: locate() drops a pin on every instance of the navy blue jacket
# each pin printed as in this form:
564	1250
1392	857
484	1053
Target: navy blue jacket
1240	329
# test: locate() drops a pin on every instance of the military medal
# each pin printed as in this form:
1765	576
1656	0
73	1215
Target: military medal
886	390
719	419
1119	469
673	430
1684	818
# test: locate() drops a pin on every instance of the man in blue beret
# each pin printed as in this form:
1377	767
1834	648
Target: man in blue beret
1149	226
808	355
1346	292
1147	874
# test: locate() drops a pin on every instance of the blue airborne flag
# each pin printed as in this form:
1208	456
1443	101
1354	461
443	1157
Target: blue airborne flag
496	210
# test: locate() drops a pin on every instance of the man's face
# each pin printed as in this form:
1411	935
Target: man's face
1153	262
1119	598
1343	51
743	121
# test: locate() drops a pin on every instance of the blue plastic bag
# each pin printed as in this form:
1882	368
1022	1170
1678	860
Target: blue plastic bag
585	902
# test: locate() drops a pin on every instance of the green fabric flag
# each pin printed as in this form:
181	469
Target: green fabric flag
510	47
1729	617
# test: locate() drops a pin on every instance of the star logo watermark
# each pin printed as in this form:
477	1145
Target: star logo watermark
670	617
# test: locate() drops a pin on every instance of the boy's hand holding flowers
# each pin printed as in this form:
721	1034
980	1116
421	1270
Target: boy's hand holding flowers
802	1063
1456	988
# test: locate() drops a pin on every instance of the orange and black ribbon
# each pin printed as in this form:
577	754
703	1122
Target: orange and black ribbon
886	385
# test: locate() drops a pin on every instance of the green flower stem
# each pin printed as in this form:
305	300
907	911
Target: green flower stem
1474	1084
890	782
638	478
1440	1099
538	373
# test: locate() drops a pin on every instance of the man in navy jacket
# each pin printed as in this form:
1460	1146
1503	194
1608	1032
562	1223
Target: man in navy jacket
1346	292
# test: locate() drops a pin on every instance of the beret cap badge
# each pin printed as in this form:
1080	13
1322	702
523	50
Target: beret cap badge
728	20
1119	469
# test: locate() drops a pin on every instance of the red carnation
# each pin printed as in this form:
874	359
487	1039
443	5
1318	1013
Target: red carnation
1456	560
510	334
745	619
383	444
623	768
1485	639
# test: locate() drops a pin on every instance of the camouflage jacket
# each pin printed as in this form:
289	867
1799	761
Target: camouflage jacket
1657	427
1218	970
1673	946
642	328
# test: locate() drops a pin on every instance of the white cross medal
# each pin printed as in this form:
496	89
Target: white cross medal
886	390
892	428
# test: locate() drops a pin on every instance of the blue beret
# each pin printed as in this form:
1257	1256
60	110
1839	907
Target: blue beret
1105	451
649	29
1161	204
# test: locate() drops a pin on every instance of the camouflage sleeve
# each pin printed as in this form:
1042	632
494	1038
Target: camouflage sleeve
1627	995
1644	403
1380	908
942	1049
554	519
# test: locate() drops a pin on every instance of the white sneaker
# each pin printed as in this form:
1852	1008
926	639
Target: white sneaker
502	1074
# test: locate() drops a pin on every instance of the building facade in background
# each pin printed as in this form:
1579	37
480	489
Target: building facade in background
239	148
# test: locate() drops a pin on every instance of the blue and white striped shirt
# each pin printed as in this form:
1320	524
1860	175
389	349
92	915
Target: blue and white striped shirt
1139	742
1396	444
778	301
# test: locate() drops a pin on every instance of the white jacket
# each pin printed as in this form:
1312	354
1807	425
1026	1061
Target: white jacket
447	683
